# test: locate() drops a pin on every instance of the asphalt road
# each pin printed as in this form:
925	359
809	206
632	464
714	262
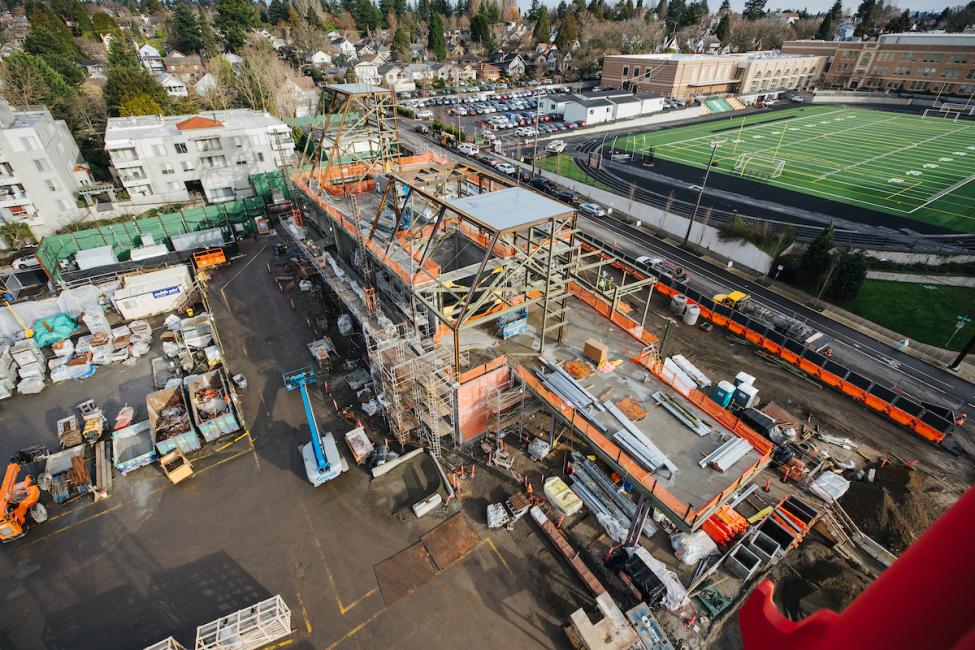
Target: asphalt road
902	372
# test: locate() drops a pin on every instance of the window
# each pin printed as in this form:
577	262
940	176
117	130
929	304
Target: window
64	205
167	168
210	144
902	70
951	73
880	70
957	58
180	147
932	58
29	143
626	70
158	151
124	155
174	186
885	56
966	89
42	165
909	56
52	186
918	85
213	161
187	165
927	72
636	71
237	141
222	193
260	157
971	74
241	160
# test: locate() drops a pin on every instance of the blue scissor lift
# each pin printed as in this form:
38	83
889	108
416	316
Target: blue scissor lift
321	456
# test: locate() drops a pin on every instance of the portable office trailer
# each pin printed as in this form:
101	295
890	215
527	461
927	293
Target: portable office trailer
156	292
92	258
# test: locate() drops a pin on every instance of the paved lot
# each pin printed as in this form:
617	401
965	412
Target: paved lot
156	559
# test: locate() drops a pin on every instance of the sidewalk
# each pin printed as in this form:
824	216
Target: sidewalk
948	280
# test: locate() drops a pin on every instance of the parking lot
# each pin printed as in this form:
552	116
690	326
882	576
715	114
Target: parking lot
156	559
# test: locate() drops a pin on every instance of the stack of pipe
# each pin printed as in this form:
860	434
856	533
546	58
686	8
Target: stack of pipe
727	454
637	444
602	496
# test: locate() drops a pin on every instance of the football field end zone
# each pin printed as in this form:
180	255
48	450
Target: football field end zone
945	192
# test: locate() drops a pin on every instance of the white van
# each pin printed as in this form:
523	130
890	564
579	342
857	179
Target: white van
555	146
467	149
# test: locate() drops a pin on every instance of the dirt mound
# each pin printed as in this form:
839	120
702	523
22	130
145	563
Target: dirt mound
816	580
895	509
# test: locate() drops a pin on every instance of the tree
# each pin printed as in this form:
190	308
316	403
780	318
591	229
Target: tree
534	11
102	23
866	14
568	33
543	30
350	77
436	42
836	11
208	38
481	31
901	23
28	80
825	32
754	9
661	9
400	46
277	12
184	31
723	31
152	7
235	18
725	7
848	275
815	260
45	44
121	53
139	104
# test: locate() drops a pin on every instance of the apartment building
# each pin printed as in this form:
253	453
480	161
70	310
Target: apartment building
170	159
931	63
41	171
686	76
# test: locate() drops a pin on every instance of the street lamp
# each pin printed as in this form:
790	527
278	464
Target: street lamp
697	206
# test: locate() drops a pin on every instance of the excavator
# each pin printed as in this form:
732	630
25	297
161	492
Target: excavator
17	501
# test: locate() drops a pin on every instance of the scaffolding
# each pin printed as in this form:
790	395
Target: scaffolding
506	409
166	644
247	629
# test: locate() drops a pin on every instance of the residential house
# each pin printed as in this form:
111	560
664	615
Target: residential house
184	68
92	66
456	51
299	96
168	159
206	84
367	71
345	47
844	31
150	58
318	59
418	51
419	73
41	172
232	59
487	71
511	64
173	86
393	76
15	27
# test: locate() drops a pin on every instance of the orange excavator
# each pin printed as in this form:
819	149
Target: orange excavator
17	501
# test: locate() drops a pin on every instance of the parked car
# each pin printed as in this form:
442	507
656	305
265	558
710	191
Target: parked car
424	114
26	262
663	266
467	149
555	146
568	196
506	168
592	209
543	184
422	128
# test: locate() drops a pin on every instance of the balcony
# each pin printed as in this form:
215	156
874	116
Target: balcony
130	178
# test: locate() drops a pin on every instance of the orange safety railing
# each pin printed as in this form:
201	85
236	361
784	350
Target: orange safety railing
855	392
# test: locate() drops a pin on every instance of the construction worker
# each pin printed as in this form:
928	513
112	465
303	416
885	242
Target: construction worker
961	419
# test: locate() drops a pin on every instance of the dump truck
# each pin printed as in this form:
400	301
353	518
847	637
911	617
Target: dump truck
735	299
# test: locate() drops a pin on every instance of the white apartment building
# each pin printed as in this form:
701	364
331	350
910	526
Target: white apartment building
41	171
169	159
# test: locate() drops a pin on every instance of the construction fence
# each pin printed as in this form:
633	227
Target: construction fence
234	218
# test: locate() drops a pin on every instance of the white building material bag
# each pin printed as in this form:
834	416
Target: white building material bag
830	486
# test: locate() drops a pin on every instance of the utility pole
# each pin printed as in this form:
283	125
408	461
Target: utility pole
956	364
700	194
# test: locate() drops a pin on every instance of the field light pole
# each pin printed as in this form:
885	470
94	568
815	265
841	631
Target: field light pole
700	194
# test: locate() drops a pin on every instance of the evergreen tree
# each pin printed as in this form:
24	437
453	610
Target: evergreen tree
207	36
277	12
543	30
436	42
568	33
837	11
901	23
534	11
725	7
45	44
28	79
235	18
723	31
102	23
662	9
152	7
184	31
825	32
866	14
848	276
441	7
816	259
122	54
754	9
400	46
366	15
139	104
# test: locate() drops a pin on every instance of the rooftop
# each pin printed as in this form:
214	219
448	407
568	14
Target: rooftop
352	89
963	40
766	54
511	208
156	126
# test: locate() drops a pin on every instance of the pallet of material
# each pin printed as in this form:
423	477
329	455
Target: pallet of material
132	447
359	444
103	467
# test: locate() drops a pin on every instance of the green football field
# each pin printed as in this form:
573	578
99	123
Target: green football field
906	165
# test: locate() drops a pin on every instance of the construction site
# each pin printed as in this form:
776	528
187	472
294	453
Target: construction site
512	434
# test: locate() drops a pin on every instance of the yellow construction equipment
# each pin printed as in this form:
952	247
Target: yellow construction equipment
735	299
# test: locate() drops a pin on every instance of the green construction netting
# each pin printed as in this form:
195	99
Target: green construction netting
233	217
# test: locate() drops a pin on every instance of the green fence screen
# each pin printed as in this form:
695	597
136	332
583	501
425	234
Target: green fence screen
233	217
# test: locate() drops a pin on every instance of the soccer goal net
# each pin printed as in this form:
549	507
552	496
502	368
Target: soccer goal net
759	165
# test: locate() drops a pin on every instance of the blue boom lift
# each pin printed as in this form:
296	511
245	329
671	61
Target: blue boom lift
320	455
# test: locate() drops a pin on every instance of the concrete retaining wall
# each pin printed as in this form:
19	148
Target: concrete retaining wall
918	258
857	98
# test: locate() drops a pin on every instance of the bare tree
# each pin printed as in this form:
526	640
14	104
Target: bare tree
26	87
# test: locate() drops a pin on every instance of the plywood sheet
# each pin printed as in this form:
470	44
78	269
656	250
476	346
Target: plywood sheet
404	573
450	541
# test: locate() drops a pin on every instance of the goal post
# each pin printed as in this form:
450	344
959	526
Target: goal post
948	112
759	165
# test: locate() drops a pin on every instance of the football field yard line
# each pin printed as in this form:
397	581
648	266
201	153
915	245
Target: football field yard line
945	192
909	187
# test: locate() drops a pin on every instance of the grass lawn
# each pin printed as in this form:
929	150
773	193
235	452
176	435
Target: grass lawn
563	165
922	312
906	165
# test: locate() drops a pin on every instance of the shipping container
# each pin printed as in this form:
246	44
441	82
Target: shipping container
148	252
157	292
95	257
198	239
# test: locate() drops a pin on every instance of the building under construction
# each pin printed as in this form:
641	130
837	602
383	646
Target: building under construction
485	318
